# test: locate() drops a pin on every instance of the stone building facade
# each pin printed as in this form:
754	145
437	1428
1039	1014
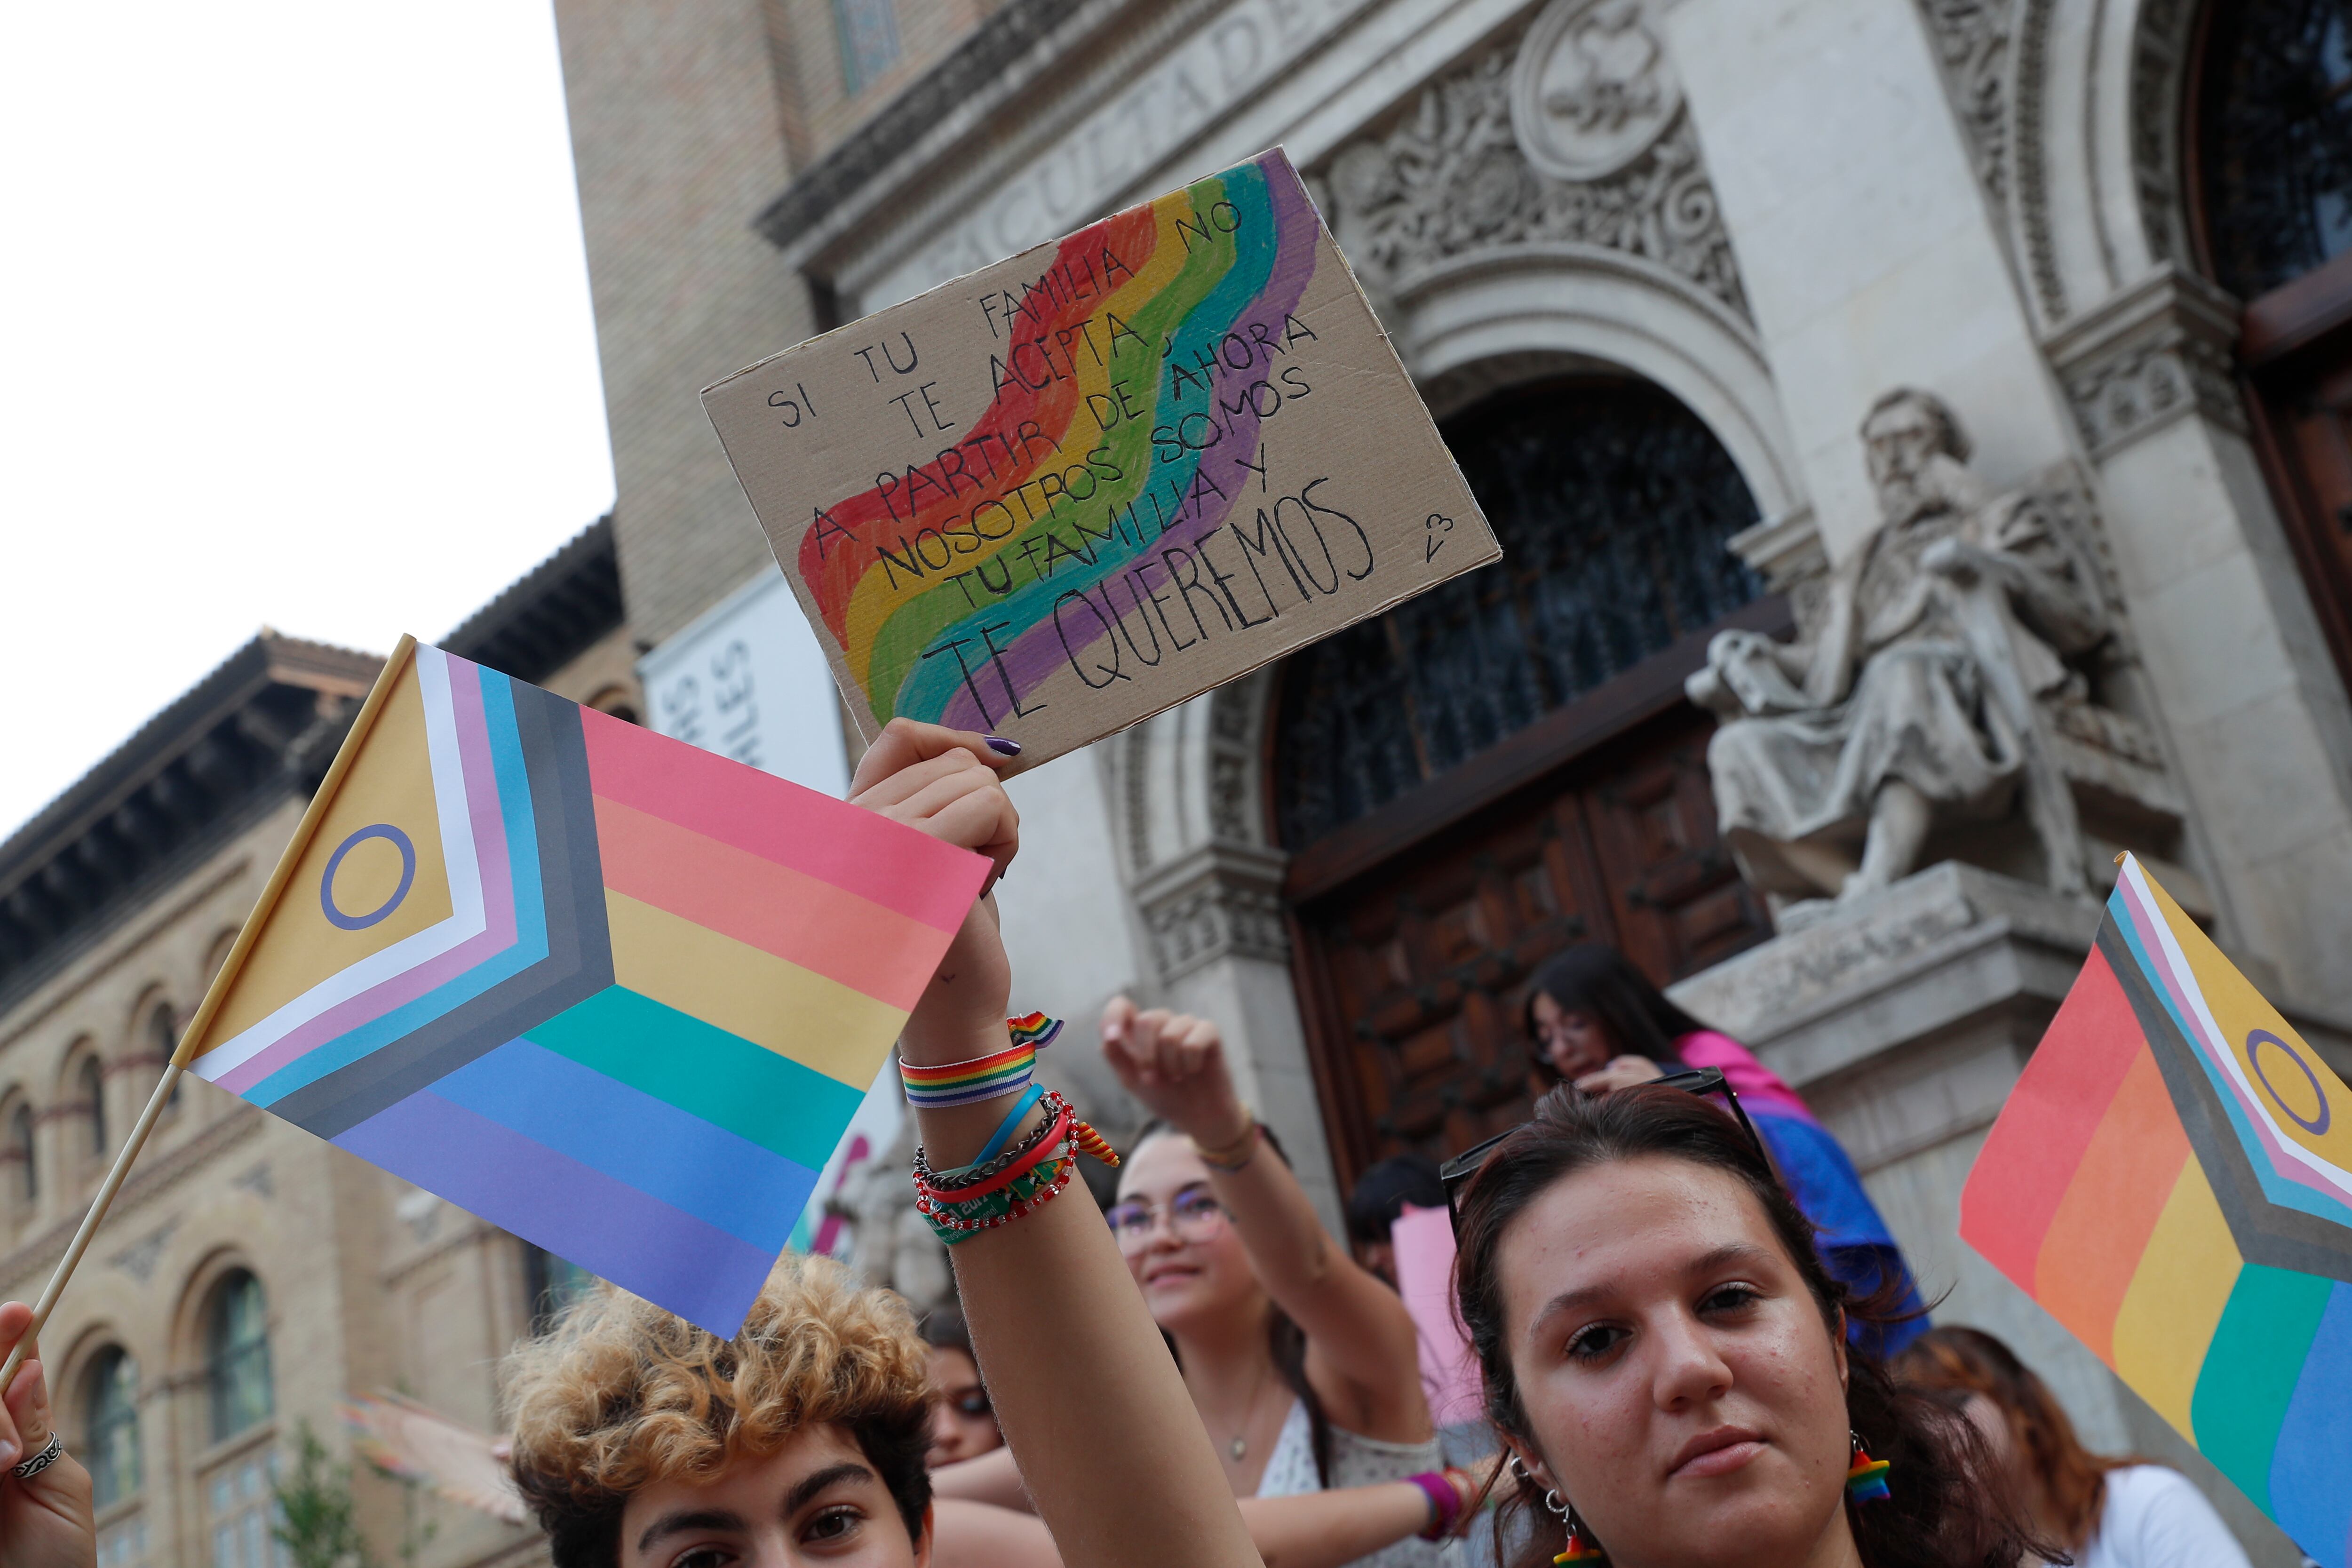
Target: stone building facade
1652	263
248	1276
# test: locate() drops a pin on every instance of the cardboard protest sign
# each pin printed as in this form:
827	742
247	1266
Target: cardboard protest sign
2170	1179
1065	492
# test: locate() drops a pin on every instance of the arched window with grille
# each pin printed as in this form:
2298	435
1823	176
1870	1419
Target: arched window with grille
23	1154
1507	764
92	1082
237	1355
110	1410
164	1030
2270	177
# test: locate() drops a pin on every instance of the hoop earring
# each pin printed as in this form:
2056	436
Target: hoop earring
1866	1481
1581	1547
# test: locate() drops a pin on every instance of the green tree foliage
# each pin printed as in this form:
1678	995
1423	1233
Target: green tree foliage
317	1516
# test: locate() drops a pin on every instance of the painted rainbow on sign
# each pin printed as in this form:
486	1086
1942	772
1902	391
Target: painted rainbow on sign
2170	1179
614	994
1056	486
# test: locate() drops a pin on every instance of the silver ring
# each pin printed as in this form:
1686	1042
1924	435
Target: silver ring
51	1452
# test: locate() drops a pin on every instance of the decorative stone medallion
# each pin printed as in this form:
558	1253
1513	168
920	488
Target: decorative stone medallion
1591	89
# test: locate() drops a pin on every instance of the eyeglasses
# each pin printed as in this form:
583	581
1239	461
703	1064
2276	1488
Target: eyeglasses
1455	1174
1193	1215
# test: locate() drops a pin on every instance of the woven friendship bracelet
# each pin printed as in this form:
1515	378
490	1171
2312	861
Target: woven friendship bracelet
1007	1071
967	1083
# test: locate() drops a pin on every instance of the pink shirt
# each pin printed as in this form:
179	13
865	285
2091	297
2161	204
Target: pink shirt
1759	1089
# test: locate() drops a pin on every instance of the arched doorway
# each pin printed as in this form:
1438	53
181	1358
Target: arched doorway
2270	176
1506	765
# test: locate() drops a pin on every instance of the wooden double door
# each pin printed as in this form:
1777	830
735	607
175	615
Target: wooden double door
1417	929
1506	766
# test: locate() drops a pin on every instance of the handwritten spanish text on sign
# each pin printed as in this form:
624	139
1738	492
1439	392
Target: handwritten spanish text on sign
1081	485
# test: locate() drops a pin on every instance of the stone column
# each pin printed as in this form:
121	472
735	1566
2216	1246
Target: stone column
2260	729
1207	891
1869	255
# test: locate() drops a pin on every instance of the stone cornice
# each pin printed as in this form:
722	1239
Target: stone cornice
2152	354
1216	900
931	118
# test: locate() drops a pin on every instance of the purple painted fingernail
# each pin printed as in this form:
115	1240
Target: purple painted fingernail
1002	747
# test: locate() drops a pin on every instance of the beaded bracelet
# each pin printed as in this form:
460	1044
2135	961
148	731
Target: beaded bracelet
955	1216
971	1176
981	1186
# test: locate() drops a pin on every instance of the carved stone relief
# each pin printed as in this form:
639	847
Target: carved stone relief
1591	90
2159	71
2155	352
1973	45
1472	165
1995	57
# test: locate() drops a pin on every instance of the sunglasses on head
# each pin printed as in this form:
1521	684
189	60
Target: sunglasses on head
1455	1174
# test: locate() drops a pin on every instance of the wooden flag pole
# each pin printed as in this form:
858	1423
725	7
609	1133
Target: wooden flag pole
215	993
89	1222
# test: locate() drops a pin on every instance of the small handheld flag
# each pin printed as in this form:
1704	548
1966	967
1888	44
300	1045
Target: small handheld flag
614	994
2172	1179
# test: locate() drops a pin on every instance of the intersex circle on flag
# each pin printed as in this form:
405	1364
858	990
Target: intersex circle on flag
399	841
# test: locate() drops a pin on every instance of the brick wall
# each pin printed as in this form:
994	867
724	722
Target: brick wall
676	135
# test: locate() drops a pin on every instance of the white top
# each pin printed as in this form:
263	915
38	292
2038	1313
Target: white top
1356	1461
2155	1518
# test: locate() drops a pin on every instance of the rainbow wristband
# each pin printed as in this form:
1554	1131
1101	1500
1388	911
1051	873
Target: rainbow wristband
1007	1071
964	1083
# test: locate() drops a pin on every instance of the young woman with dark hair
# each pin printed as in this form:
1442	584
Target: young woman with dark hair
2106	1512
1598	1024
1666	1359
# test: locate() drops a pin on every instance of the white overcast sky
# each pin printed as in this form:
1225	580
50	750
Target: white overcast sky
294	330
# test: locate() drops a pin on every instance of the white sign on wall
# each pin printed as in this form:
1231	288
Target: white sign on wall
746	679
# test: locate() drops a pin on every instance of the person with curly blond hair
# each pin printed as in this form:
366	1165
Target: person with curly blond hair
633	1428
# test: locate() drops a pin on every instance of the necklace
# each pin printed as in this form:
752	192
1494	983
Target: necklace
1239	1446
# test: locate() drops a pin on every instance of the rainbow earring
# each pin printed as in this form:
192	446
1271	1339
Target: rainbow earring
1581	1547
1866	1481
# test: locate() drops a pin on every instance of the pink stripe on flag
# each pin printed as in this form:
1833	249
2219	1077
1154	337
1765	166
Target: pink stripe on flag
498	905
884	861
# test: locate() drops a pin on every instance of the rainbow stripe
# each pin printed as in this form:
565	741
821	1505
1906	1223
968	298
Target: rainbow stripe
1137	324
614	994
969	1082
2170	1179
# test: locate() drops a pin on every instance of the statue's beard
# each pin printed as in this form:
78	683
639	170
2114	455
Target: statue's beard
1938	486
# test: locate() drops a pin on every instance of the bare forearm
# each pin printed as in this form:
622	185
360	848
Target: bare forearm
992	1478
1324	1530
1289	1250
1105	1437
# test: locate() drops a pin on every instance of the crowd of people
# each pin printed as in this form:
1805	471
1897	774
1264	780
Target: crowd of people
1697	1341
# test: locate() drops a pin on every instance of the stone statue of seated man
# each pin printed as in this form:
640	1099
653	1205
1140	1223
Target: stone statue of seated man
1911	703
